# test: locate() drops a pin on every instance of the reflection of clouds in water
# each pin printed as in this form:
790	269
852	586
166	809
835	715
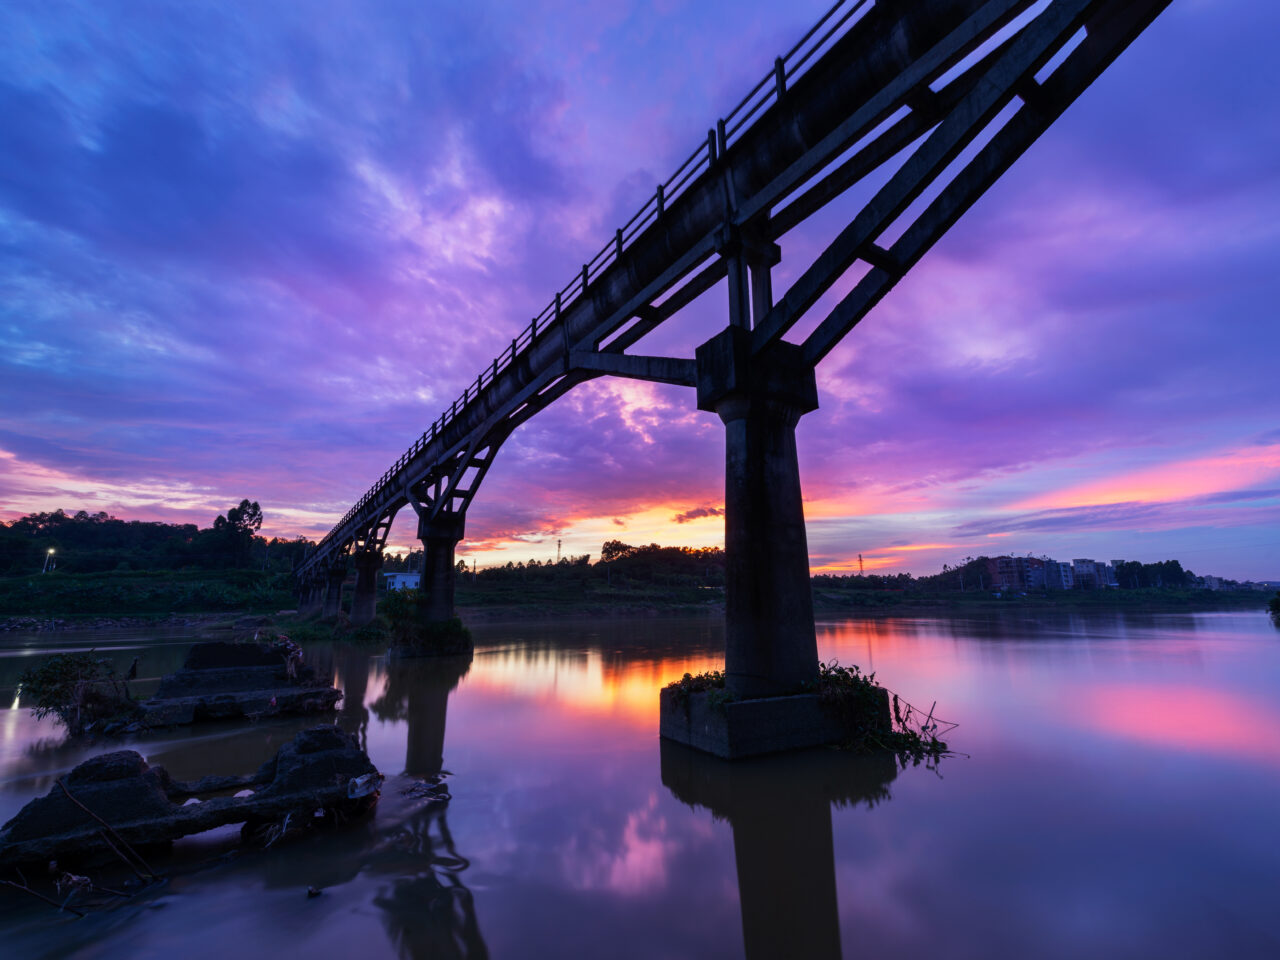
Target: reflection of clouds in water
1183	718
639	865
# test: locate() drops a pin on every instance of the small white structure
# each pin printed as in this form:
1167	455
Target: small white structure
402	581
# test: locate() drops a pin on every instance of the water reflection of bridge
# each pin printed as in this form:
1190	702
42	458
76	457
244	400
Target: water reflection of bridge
427	909
779	808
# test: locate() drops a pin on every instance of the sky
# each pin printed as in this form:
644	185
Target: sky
254	249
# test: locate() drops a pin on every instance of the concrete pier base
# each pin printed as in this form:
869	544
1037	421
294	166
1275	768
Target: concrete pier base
749	728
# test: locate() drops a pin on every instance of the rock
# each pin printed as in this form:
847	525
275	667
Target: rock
116	786
307	782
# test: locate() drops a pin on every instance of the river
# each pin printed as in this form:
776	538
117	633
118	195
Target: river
1116	795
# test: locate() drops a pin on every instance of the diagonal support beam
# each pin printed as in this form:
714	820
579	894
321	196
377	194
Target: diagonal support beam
1030	50
1110	31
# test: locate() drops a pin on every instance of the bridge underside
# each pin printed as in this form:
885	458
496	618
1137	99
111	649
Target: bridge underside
938	100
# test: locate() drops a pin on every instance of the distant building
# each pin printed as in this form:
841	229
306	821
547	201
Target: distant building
402	581
1211	583
1086	574
1030	573
1006	574
1092	575
1058	576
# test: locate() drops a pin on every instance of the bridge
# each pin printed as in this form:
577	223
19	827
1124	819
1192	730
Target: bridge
938	99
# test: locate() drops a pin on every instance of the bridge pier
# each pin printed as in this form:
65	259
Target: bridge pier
333	580
310	596
439	535
770	643
364	603
771	647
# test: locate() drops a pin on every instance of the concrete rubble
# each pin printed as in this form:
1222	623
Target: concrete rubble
229	680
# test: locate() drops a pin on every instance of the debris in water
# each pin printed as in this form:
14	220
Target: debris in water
363	786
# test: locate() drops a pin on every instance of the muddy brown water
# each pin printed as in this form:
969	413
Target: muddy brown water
1119	798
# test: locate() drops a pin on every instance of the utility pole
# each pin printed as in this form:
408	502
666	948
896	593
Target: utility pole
558	542
861	572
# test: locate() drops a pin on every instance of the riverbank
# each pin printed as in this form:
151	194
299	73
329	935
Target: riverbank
210	621
217	599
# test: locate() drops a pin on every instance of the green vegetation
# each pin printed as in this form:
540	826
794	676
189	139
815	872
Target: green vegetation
1274	606
81	690
314	629
857	698
96	543
130	593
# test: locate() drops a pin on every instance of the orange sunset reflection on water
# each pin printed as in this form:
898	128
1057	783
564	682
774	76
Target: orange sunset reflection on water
584	682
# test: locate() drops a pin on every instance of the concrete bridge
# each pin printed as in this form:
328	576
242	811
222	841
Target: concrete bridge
947	94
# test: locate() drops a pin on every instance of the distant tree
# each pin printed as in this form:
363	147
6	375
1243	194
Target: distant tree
231	538
247	517
615	550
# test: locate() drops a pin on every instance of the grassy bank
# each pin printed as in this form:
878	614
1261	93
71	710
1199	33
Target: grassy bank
134	593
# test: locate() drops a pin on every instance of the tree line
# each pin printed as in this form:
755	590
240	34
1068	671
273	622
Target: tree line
703	566
86	542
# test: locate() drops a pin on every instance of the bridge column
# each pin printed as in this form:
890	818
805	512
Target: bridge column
439	536
333	589
364	603
770	643
310	595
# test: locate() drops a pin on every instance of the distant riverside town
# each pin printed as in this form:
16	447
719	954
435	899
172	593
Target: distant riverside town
1043	573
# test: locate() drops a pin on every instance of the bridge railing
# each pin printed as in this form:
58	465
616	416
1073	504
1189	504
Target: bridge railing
727	131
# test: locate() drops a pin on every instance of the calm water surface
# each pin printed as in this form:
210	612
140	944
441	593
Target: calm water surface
1119	798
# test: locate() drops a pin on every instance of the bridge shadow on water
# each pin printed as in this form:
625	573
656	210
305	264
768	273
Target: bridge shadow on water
779	808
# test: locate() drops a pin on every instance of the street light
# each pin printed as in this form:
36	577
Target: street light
47	558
